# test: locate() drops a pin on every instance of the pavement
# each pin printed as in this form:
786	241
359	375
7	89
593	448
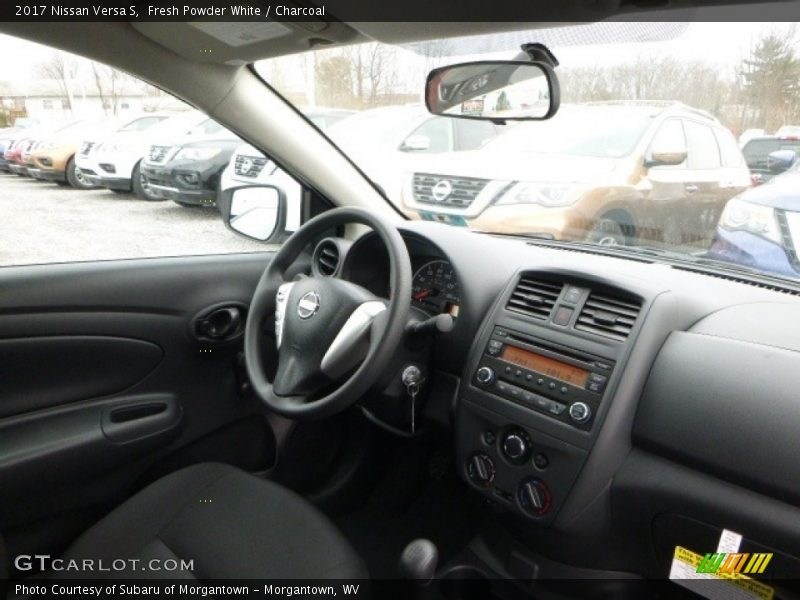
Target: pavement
42	222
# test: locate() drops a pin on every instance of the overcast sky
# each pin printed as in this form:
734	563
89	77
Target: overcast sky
720	43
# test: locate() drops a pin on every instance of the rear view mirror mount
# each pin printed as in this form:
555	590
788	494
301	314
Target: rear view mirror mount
496	91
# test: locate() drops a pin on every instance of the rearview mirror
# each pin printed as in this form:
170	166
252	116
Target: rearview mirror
781	160
256	211
494	90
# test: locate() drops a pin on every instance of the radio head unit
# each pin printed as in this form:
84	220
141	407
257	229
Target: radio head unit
564	384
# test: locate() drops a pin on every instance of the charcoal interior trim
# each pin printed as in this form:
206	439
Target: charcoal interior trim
42	372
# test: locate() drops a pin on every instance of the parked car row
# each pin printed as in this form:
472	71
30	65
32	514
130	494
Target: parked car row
626	173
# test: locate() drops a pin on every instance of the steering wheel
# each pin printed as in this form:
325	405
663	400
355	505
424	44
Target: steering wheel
325	326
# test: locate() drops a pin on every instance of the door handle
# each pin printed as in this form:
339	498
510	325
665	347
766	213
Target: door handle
691	188
220	324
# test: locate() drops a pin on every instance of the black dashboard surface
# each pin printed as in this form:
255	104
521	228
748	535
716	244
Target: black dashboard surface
749	413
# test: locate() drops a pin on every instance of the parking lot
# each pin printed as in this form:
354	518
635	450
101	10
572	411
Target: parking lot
45	223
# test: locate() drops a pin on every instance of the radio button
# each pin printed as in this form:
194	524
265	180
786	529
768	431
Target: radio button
556	408
595	387
597	377
541	403
494	348
580	412
551	385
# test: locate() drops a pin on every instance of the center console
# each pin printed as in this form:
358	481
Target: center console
538	384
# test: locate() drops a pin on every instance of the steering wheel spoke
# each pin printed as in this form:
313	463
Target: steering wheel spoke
351	344
281	301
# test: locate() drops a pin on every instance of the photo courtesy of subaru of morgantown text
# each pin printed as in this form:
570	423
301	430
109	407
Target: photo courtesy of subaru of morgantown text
425	301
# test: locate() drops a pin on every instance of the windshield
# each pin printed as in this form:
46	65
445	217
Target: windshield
574	131
371	129
645	150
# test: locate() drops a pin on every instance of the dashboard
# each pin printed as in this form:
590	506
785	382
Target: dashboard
435	285
594	396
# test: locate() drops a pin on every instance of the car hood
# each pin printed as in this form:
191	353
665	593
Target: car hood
781	192
525	167
130	138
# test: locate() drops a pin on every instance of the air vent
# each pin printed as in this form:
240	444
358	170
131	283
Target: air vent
327	258
608	317
534	298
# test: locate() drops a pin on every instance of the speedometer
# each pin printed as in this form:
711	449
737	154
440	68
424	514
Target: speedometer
435	288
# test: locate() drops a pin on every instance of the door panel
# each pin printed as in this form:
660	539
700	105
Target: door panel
40	372
105	382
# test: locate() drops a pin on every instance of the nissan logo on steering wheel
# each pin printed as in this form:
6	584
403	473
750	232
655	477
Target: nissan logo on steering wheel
308	305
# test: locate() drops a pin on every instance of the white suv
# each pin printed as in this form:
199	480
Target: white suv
114	163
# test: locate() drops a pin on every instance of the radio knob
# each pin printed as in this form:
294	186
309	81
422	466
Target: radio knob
484	376
515	447
580	412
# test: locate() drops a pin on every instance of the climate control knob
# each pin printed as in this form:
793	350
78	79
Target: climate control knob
480	470
534	497
580	412
516	446
484	376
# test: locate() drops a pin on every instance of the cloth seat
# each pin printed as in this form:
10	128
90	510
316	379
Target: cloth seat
228	523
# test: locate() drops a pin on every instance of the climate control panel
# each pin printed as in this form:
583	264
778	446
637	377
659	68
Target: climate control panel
516	467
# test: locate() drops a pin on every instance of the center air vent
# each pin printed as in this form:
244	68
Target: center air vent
534	298
326	257
608	317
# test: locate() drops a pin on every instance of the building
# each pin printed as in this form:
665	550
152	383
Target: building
50	101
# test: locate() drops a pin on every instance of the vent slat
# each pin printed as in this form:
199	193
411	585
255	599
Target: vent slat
534	298
327	258
608	317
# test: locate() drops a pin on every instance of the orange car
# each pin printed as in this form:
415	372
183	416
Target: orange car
53	158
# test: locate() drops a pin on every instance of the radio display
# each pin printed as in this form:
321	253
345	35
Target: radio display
546	366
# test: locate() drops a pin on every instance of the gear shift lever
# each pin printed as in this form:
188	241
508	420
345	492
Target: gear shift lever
419	560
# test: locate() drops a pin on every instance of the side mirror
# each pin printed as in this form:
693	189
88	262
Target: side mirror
494	91
416	143
255	211
781	160
666	156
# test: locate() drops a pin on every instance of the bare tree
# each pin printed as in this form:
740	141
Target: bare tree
111	85
61	68
374	72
